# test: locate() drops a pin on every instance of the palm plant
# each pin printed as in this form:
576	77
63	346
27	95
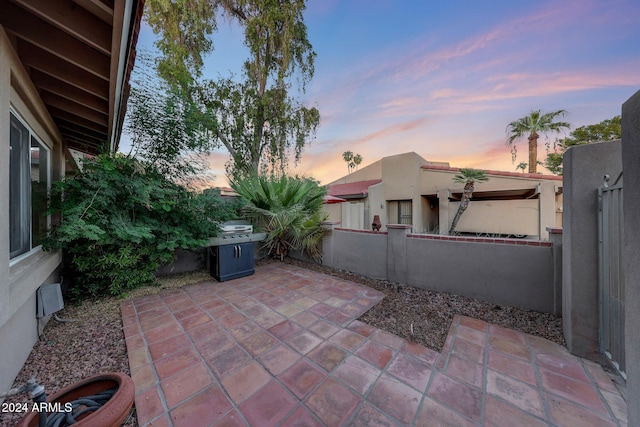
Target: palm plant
534	124
357	159
468	177
288	209
347	156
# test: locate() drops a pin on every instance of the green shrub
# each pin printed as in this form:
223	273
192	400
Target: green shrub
288	208
122	219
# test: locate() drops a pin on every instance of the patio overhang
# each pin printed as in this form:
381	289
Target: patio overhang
79	55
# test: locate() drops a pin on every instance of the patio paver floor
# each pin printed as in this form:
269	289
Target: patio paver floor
282	348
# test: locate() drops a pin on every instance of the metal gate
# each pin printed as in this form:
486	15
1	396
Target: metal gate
611	277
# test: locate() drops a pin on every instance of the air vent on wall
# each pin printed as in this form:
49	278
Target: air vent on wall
48	300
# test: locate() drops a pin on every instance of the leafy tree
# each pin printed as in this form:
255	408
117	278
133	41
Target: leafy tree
522	166
122	219
534	124
259	121
288	209
606	130
468	177
165	127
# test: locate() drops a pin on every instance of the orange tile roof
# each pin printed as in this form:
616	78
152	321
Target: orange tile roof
353	188
499	173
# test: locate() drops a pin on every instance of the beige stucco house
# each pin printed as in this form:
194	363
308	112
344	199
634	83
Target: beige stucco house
407	189
64	71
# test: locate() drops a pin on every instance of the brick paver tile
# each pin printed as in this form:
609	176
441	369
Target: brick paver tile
245	381
259	343
567	413
305	319
161	332
284	330
229	360
411	371
232	419
148	405
468	350
376	354
369	416
301	417
509	347
464	370
421	352
176	362
327	355
571	389
514	367
568	366
501	414
457	395
279	359
432	413
186	383
361	328
304	342
357	374
301	378
170	345
395	398
333	403
347	339
204	408
387	339
323	329
515	392
268	406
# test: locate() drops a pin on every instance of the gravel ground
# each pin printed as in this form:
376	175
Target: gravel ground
93	341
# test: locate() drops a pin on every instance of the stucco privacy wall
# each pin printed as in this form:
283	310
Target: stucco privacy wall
631	254
506	274
361	252
20	277
584	168
512	272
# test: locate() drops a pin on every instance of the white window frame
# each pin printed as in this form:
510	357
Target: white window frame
32	136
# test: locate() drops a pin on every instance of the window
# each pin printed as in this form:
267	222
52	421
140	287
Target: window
405	212
28	186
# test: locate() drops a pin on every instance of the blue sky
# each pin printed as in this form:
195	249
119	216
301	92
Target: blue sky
444	79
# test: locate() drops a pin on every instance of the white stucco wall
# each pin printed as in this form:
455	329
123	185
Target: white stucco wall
21	277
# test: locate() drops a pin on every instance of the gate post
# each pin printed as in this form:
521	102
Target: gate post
631	252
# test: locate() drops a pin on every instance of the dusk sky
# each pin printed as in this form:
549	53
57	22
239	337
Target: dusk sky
445	78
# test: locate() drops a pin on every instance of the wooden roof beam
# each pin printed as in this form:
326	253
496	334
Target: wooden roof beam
52	85
34	57
73	20
58	113
74	108
98	8
47	37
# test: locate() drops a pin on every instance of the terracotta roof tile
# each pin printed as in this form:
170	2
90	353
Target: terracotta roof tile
352	188
499	173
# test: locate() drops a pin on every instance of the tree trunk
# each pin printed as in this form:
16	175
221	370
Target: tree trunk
464	204
533	153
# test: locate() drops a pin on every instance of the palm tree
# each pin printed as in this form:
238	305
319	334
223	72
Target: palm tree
522	166
534	124
468	177
357	159
347	156
288	209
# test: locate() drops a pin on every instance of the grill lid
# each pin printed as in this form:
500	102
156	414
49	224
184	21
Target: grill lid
236	227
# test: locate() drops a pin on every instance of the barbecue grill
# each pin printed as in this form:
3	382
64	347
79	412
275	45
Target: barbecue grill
231	254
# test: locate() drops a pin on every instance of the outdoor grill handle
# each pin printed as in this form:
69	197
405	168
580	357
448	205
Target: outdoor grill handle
239	251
